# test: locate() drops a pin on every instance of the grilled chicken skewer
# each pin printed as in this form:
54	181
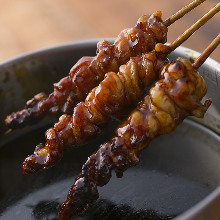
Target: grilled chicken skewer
126	89
89	71
175	96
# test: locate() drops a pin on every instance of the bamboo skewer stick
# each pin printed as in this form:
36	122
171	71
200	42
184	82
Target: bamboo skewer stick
206	53
182	12
183	37
193	28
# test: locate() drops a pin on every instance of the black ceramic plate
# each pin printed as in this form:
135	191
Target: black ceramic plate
176	171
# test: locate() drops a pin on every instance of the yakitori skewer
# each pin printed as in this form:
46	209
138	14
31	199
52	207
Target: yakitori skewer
175	96
89	71
112	98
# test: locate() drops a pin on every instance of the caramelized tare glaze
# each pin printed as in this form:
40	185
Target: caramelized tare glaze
175	96
89	71
113	98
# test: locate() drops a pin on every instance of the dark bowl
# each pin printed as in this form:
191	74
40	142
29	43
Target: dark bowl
178	176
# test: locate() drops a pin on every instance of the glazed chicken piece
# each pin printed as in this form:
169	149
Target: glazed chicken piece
89	71
175	96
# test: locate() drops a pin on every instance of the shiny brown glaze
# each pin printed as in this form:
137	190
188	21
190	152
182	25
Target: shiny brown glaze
113	98
175	96
89	71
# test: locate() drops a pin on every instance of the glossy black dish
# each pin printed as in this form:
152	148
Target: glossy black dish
179	173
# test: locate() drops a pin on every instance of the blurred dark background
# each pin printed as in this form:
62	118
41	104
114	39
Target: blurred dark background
28	25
